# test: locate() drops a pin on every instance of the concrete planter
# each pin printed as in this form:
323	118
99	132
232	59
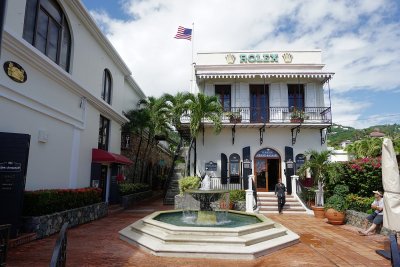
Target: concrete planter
130	200
46	225
239	205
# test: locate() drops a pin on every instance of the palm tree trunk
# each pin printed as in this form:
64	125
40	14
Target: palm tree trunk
195	156
189	152
144	158
137	155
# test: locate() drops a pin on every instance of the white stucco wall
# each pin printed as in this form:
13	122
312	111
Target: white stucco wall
275	138
51	100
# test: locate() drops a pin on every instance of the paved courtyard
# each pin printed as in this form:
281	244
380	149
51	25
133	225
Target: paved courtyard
98	244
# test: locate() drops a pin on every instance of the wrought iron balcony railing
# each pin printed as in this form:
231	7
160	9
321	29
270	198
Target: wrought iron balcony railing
307	115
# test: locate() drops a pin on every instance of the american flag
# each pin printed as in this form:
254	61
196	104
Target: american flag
184	33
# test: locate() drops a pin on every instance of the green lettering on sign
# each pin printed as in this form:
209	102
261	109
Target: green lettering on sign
251	58
259	58
274	58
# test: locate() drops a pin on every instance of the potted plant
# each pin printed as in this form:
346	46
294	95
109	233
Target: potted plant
234	116
318	166
297	116
235	197
336	205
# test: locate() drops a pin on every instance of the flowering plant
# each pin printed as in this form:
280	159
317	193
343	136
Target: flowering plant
363	176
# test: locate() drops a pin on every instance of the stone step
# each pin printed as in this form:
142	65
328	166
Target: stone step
274	198
287	206
268	208
262	199
270	194
192	239
249	245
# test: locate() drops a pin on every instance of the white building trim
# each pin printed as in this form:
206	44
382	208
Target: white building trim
27	52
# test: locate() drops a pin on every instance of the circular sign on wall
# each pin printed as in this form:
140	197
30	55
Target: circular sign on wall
15	71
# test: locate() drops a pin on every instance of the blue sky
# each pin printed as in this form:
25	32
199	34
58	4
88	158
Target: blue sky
360	41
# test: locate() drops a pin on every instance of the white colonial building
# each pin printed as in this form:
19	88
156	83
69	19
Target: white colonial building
274	111
65	85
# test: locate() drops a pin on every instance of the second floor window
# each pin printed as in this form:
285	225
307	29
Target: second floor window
46	28
107	86
296	96
104	133
223	91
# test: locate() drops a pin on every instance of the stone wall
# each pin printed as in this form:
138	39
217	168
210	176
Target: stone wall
130	200
356	218
49	224
149	161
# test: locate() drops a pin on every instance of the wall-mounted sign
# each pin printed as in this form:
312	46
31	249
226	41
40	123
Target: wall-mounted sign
267	153
259	58
15	71
211	166
10	167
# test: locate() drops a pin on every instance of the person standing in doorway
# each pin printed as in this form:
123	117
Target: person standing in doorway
280	190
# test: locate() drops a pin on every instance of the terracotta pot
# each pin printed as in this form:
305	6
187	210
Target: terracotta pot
335	217
296	120
319	212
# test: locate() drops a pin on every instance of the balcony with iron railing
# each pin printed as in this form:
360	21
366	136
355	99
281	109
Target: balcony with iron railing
273	115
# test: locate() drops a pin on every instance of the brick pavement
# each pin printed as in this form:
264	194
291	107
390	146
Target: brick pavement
97	244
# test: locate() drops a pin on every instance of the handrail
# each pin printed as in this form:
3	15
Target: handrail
272	115
305	194
4	236
59	257
172	169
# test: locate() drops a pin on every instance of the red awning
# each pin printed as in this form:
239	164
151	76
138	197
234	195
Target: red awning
99	155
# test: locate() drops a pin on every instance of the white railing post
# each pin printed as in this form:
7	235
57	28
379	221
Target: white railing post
249	195
294	184
295	178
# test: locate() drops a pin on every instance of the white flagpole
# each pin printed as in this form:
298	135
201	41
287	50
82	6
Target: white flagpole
192	81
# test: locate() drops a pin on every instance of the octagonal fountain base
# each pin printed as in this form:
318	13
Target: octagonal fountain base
241	242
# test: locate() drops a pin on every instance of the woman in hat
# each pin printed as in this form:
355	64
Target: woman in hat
376	218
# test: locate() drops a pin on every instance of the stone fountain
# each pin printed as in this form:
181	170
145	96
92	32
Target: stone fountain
205	228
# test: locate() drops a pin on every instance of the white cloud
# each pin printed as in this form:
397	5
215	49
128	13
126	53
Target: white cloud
359	39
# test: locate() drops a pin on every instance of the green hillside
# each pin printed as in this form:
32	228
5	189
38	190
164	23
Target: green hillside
340	133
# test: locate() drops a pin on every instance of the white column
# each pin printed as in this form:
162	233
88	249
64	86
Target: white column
294	187
249	195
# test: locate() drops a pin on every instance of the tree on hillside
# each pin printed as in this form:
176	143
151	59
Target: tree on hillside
369	147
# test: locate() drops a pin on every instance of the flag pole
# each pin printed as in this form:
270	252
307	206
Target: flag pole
192	81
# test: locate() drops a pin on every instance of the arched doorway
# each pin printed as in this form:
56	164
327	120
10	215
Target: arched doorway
267	169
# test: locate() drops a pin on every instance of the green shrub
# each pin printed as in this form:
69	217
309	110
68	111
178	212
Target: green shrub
132	188
338	200
237	195
188	182
41	202
341	190
357	203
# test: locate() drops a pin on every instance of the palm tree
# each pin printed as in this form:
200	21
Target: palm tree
319	166
366	148
203	108
139	120
177	106
158	124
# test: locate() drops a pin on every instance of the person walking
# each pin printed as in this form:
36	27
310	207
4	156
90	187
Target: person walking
280	190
